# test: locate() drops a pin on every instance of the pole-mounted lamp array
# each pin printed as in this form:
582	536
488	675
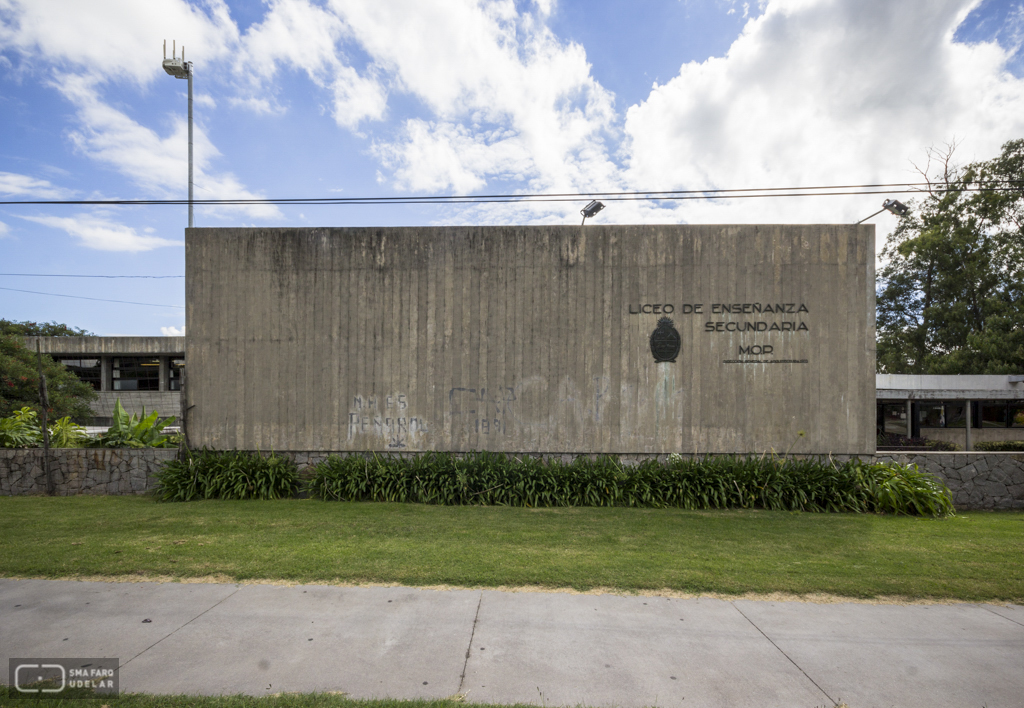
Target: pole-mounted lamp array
590	209
893	207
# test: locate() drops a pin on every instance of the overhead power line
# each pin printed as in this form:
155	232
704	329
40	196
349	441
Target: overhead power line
648	195
97	299
66	275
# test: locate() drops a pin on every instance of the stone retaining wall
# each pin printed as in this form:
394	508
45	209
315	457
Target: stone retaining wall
980	480
82	471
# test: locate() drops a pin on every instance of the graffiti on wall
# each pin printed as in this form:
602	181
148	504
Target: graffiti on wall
386	418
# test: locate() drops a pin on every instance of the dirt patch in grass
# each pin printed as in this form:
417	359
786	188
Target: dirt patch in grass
814	598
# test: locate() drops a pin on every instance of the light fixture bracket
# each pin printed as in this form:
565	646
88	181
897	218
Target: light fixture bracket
590	209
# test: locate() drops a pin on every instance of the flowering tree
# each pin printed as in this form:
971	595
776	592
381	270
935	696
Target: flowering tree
19	379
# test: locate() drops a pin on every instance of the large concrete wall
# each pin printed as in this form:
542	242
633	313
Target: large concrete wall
532	338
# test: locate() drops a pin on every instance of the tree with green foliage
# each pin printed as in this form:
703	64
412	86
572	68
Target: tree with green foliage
37	329
19	383
950	295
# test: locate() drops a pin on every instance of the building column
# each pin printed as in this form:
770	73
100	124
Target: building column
910	423
164	373
967	435
106	366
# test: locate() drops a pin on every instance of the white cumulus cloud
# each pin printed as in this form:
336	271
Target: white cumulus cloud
77	35
813	92
435	157
172	331
109	136
103	234
508	97
823	92
26	186
302	36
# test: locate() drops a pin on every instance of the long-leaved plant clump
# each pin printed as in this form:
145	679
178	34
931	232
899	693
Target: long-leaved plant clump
135	430
904	489
22	429
766	482
211	474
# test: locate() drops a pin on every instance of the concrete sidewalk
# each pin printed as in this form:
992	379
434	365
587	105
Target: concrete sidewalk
542	648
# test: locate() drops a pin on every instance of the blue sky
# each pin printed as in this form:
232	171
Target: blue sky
304	98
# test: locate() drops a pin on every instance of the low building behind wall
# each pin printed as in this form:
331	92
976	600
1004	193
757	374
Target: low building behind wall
961	409
144	373
617	339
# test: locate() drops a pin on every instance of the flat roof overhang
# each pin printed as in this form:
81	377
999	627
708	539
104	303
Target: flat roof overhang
118	346
950	394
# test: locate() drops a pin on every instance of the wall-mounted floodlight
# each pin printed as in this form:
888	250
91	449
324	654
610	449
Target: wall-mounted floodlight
893	207
590	209
181	69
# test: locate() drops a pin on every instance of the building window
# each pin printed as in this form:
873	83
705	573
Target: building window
136	373
993	414
177	366
895	419
932	415
985	414
88	370
955	417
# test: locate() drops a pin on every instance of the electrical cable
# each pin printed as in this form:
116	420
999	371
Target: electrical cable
65	275
97	299
647	195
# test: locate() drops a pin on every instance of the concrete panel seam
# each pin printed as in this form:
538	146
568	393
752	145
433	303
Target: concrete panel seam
798	667
171	634
1003	616
469	647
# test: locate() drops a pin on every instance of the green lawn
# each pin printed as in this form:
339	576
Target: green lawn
973	556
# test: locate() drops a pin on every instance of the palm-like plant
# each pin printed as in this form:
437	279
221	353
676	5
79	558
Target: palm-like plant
21	429
135	431
64	432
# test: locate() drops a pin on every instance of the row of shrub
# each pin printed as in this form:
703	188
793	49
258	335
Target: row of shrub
897	440
233	474
486	478
1000	446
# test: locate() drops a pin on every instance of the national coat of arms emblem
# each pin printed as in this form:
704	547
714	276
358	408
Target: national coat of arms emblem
665	341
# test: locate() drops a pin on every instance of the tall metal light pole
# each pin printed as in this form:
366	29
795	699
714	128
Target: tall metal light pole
181	69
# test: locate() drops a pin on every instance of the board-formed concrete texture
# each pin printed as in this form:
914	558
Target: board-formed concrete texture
617	339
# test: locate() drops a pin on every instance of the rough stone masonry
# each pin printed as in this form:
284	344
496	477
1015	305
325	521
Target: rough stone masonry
82	470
